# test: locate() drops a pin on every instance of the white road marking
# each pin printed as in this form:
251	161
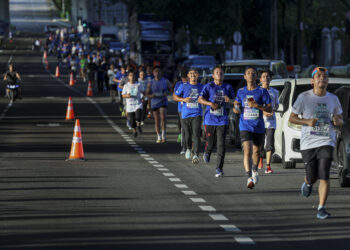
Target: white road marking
131	142
158	166
168	174
144	155
141	152
134	146
49	125
207	208
218	217
230	228
153	162
183	186
189	192
244	240
137	148
163	169
174	179
198	200
149	159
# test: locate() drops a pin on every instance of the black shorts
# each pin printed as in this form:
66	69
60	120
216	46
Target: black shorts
258	139
317	162
159	108
113	87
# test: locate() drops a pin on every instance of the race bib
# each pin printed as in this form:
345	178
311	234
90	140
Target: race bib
217	112
322	130
133	91
192	105
322	127
194	99
251	113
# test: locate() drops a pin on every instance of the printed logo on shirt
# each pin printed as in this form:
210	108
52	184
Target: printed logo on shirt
250	113
322	127
219	99
194	99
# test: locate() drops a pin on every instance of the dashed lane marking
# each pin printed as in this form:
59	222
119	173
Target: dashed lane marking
218	217
198	200
168	174
230	228
163	169
244	240
182	186
153	162
174	180
189	192
207	208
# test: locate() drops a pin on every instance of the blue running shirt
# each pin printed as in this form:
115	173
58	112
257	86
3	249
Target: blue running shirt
216	93
251	119
159	88
193	108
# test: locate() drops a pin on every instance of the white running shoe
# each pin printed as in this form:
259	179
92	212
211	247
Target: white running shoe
195	159
188	154
250	183
255	177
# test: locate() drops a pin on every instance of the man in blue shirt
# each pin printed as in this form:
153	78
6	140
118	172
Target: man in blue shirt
118	79
191	113
251	102
181	136
216	96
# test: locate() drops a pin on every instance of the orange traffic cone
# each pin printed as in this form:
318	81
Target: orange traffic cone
46	64
70	110
57	71
71	80
45	55
77	152
89	90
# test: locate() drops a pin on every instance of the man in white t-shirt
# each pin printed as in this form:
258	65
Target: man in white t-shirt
133	92
265	77
318	111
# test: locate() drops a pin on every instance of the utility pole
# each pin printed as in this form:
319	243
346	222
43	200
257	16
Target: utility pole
300	31
63	7
273	30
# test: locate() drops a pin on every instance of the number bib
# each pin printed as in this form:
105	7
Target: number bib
217	112
133	91
251	114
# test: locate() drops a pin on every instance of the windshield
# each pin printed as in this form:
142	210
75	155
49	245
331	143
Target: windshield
109	37
239	69
156	47
301	88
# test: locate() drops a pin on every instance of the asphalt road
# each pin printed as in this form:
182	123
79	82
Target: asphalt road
134	193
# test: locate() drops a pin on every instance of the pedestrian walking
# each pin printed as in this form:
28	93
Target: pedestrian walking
250	103
319	112
216	95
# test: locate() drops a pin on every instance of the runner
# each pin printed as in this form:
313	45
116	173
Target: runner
252	100
320	111
83	63
133	93
216	95
142	80
265	76
191	113
181	136
157	91
118	78
112	84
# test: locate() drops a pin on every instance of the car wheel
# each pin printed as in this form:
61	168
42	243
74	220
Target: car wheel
286	164
276	159
344	181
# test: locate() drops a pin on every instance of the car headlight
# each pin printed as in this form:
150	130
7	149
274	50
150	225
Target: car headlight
294	126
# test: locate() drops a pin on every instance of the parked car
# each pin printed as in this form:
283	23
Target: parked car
204	64
287	135
342	147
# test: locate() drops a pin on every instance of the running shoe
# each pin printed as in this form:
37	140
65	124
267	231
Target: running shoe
261	164
322	214
183	151
179	138
158	140
123	114
268	170
139	129
250	183
306	189
195	159
219	173
255	177
206	157
188	154
163	140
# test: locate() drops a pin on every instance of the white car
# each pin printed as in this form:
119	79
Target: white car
287	135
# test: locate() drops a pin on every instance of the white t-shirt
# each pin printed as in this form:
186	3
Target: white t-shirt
136	91
270	122
111	75
309	106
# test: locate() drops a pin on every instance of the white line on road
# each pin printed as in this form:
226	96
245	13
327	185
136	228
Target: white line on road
168	174
218	217
174	180
189	192
149	159
244	240
207	208
163	169
5	110
141	152
198	200
182	186
230	228
158	166
153	162
144	155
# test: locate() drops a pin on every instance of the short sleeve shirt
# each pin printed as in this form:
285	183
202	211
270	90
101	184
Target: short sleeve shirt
136	91
216	94
308	106
270	122
193	108
251	119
